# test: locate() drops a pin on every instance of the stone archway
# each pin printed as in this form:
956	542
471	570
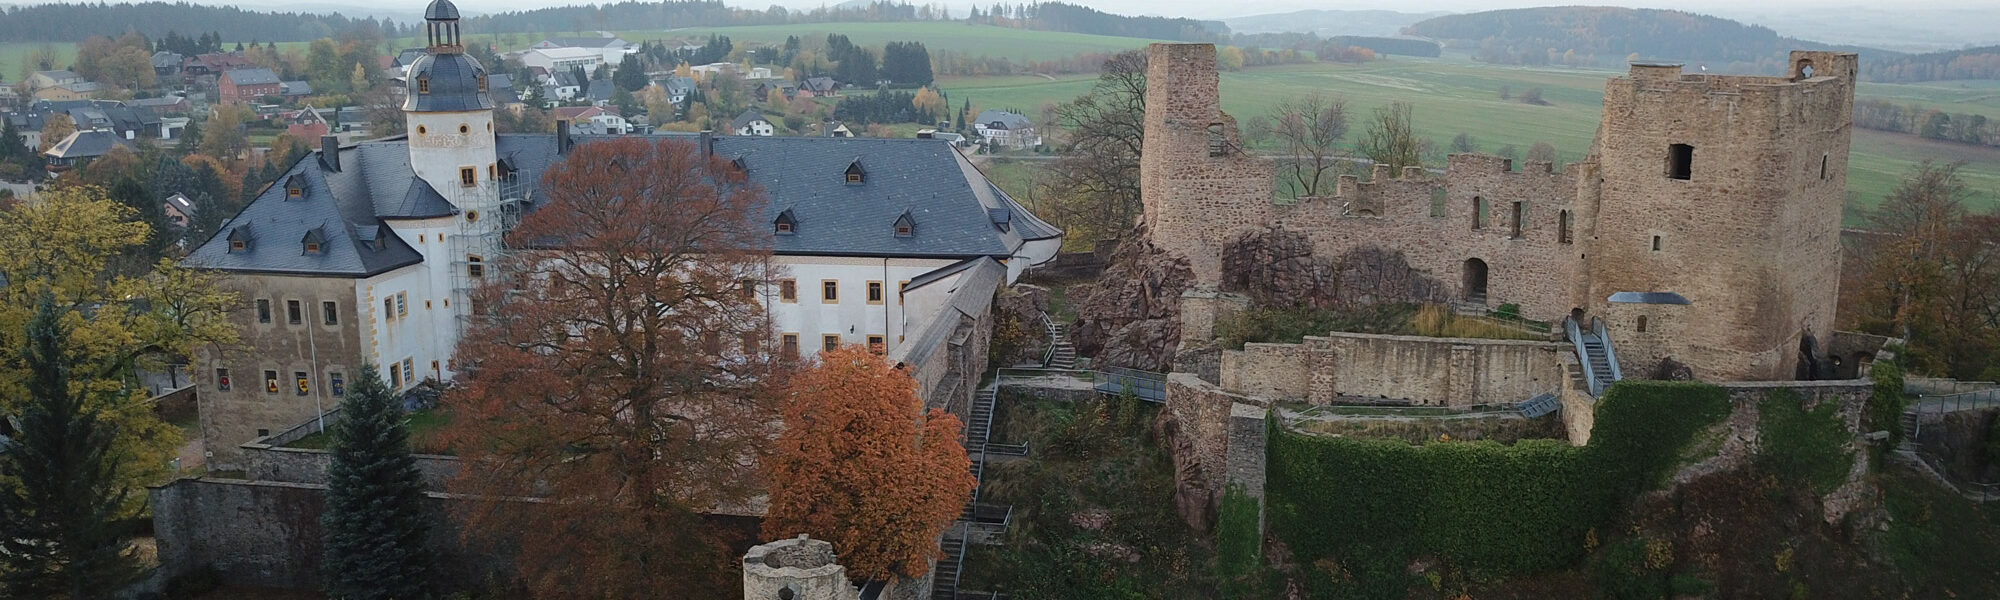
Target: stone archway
1474	282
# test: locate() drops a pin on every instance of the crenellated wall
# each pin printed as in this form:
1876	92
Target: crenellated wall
1424	371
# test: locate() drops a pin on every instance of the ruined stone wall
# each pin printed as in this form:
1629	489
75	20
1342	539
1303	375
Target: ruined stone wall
1215	439
1646	335
1418	370
248	409
1751	235
1438	225
1198	186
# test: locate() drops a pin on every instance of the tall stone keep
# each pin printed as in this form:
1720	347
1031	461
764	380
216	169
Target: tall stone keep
1194	176
1727	190
800	568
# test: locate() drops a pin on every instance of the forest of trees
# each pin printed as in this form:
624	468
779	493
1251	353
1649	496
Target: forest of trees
1611	35
1970	63
72	22
1058	16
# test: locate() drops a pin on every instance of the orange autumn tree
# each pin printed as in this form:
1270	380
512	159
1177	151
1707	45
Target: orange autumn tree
610	393
861	464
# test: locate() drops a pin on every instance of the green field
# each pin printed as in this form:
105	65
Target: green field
1456	96
975	40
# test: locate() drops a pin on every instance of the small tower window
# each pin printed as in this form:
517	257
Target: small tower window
482	82
1656	243
1680	162
1478	212
1562	227
471	216
1520	215
467	176
1822	165
463	128
424	85
1641	326
475	266
422	130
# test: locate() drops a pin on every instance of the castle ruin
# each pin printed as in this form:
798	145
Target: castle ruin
1702	227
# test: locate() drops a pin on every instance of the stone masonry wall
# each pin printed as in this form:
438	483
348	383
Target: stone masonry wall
232	417
1216	438
1403	369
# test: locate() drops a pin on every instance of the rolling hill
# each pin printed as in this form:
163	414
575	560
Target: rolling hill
1608	36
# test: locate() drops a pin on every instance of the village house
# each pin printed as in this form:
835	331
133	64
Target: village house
248	85
561	60
214	63
752	122
81	147
45	79
1006	130
610	49
367	253
592	119
306	124
67	92
820	87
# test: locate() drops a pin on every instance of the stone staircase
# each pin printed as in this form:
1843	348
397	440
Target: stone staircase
944	581
1064	354
979	424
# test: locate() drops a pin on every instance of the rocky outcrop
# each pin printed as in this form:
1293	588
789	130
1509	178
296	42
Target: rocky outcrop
1131	317
1019	337
1276	267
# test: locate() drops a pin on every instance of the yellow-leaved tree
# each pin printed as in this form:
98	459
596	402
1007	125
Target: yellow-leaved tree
861	464
64	246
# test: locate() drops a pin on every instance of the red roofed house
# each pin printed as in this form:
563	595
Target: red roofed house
307	124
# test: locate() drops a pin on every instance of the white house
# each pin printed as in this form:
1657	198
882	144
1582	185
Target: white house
1006	130
752	122
611	49
366	254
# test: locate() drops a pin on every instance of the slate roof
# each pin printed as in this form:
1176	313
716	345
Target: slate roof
454	84
600	90
409	56
441	9
167	60
251	76
952	204
297	88
820	85
1004	120
86	144
970	297
500	87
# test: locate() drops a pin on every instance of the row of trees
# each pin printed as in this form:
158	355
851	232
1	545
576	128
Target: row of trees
1919	120
1970	63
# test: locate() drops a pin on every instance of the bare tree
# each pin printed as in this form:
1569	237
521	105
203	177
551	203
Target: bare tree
1097	178
1542	151
1310	129
1391	139
1464	142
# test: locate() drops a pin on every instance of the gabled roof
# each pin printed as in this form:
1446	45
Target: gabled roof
86	144
166	60
59	74
583	42
600	90
1005	120
297	88
251	76
820	84
181	203
749	115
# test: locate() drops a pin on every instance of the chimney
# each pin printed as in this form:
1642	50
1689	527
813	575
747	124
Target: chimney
329	152
562	137
707	142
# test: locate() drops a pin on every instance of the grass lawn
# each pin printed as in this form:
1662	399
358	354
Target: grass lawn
424	426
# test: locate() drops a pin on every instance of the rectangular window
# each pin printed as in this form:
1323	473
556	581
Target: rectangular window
410	370
791	345
263	310
338	382
900	286
829	291
1520	214
1680	162
294	314
330	311
402	304
389	308
222	379
270	382
395	377
467	176
874	292
1656	243
475	266
876	344
304	382
747	288
829	342
788	290
1562	228
751	342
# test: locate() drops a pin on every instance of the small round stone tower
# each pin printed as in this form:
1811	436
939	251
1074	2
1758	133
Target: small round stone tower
801	568
450	115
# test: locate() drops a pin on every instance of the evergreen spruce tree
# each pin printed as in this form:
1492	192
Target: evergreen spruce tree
374	525
61	506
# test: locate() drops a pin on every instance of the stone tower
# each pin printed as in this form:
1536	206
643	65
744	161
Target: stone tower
800	568
1728	191
449	117
1194	176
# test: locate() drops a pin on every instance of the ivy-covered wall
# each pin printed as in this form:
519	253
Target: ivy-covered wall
1356	513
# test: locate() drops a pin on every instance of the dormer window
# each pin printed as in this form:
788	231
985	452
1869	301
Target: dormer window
905	225
741	166
786	224
482	82
314	240
855	174
424	85
295	187
1003	219
239	238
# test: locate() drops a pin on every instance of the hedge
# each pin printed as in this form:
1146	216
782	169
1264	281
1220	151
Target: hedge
1374	506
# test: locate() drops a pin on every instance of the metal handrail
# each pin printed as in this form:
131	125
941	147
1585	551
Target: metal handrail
1049	356
1575	334
1610	356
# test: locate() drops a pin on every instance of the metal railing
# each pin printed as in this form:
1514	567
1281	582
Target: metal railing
1575	335
1148	386
1610	355
1049	356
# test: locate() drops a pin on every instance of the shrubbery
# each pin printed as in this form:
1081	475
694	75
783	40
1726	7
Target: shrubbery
1356	513
1804	446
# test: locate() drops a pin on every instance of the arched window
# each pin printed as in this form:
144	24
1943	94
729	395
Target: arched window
1642	324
